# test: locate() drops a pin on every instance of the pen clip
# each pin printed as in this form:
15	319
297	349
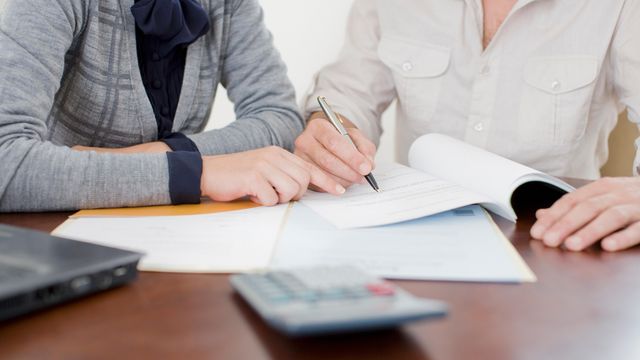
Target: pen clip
332	116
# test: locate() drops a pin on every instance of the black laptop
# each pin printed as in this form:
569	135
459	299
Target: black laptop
38	270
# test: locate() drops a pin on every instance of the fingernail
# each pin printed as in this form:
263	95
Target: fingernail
340	189
552	239
536	231
609	244
574	243
364	169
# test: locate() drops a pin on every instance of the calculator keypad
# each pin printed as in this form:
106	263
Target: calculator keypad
330	299
284	288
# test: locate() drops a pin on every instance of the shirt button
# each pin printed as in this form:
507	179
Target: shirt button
407	66
164	111
155	56
486	70
556	85
479	127
157	84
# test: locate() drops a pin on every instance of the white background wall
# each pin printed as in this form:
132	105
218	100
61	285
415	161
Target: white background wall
309	34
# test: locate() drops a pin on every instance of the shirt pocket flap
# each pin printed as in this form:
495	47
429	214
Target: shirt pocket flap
414	60
558	75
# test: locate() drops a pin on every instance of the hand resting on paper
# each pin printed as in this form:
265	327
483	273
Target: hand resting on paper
322	145
268	176
605	211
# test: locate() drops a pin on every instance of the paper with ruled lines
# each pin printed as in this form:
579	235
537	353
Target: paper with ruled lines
406	194
457	245
224	242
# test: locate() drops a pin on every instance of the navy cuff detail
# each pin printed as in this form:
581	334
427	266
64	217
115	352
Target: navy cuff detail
185	173
180	142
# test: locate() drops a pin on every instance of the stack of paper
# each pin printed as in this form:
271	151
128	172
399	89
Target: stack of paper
222	242
459	245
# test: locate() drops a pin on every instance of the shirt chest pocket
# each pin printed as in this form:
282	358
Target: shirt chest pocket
418	70
556	99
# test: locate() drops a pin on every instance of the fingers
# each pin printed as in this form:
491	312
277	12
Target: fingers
607	210
365	146
576	218
332	152
344	183
329	162
548	217
282	177
341	147
277	179
325	182
314	175
286	186
610	221
623	239
262	192
273	186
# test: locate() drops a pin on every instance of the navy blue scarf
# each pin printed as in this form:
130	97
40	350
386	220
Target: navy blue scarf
174	22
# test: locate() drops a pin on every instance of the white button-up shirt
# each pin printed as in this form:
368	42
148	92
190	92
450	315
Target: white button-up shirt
546	92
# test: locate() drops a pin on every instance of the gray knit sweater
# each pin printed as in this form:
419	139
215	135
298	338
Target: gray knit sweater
69	76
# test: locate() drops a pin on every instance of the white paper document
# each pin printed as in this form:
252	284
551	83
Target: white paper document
223	242
406	194
444	174
457	245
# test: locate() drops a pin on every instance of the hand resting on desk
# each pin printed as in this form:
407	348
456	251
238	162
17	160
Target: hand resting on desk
607	210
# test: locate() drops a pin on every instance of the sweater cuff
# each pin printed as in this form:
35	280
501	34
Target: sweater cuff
185	173
180	142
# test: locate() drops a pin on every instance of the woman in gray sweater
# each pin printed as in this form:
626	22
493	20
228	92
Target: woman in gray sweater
103	103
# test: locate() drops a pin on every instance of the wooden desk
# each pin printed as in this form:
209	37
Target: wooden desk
584	306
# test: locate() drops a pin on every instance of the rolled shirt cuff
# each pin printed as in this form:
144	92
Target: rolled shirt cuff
185	173
180	142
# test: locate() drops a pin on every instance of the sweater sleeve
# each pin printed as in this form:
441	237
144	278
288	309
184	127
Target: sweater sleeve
35	174
256	81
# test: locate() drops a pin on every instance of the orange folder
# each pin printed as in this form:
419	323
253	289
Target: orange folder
206	207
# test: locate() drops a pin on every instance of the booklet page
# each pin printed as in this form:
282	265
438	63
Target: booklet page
475	169
406	194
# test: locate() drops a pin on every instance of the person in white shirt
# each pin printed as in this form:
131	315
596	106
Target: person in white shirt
539	82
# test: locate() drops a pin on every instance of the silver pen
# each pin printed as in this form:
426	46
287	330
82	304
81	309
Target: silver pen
336	121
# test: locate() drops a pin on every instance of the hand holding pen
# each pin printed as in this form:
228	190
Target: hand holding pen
336	121
324	146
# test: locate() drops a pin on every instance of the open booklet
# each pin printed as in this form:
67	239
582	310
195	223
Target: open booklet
444	174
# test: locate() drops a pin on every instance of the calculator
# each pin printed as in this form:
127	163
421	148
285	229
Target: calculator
325	300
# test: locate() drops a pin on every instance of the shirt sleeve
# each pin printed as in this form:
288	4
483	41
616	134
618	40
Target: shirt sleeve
257	84
35	174
185	169
358	85
625	62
